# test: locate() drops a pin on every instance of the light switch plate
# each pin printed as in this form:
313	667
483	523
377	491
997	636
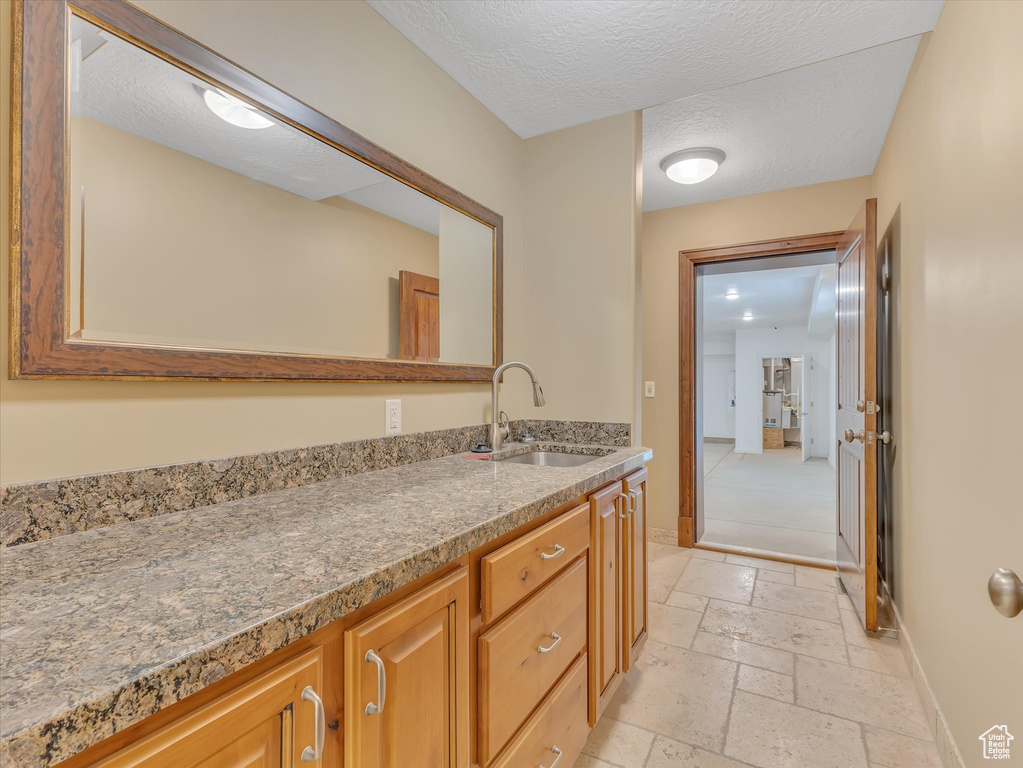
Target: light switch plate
649	389
392	425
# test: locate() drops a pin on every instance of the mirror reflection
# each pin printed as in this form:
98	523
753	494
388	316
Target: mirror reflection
198	220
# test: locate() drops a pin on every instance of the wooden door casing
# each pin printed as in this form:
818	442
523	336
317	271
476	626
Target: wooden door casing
634	573
605	635
424	644
856	475
418	317
263	724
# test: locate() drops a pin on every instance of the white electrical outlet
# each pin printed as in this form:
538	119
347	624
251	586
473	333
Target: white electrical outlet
649	391
393	417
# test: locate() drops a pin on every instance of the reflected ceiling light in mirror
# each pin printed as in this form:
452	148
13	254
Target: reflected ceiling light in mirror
747	315
691	166
732	295
234	110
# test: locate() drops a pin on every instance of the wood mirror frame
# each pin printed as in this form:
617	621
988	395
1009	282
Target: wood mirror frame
42	346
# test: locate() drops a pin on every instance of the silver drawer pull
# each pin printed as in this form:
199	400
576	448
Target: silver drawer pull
371	708
558	552
625	502
312	754
556	638
633	502
557	760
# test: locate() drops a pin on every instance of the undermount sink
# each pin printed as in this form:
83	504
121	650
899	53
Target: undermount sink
549	459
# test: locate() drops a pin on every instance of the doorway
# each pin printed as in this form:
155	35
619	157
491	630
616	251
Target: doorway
761	391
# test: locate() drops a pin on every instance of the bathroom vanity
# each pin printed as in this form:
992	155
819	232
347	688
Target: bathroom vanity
452	612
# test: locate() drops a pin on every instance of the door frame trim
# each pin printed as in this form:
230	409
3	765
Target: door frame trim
688	261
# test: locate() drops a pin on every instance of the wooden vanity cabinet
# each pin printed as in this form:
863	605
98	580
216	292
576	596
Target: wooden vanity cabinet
618	585
268	722
634	571
605	598
407	681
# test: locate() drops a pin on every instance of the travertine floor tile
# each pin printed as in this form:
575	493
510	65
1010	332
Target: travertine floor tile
618	743
588	761
868	697
720	580
687	601
662	576
765	683
673	626
895	751
677	693
785	632
747	653
776	577
773	734
879	657
657	551
668	753
756	562
798	601
816	578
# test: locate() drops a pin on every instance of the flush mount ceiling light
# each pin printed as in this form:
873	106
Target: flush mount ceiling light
732	295
747	315
233	110
691	166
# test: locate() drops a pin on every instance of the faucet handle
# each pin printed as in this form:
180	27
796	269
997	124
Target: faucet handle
504	424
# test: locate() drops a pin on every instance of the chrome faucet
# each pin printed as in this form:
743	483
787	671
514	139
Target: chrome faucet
497	428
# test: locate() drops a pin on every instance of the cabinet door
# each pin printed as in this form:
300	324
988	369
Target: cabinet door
605	602
634	573
265	723
407	681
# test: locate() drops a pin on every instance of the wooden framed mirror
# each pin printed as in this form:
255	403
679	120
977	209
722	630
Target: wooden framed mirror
176	217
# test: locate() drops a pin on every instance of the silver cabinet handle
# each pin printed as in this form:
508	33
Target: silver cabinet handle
557	760
556	638
371	708
1006	592
625	500
558	552
850	435
312	754
633	502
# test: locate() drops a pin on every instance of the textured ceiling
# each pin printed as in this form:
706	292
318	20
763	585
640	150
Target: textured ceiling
541	65
777	297
818	123
127	88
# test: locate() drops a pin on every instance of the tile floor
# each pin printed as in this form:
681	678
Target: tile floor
763	664
774	501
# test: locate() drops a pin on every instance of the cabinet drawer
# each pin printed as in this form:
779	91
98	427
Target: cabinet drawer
514	675
559	723
515	570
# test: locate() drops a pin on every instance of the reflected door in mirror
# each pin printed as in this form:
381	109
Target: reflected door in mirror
419	317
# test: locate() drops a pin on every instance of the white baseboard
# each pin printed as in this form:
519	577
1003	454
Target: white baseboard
947	749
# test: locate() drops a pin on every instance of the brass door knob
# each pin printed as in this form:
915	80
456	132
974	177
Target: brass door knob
850	436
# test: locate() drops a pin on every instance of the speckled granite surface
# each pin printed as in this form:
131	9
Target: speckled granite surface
591	432
36	511
102	628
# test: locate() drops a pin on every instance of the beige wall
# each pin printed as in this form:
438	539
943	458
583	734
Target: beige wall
466	289
345	60
948	184
801	211
581	258
182	251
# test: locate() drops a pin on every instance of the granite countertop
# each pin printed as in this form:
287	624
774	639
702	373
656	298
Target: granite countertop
103	628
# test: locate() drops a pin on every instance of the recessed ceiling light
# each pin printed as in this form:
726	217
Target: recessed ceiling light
732	295
691	166
747	315
234	110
